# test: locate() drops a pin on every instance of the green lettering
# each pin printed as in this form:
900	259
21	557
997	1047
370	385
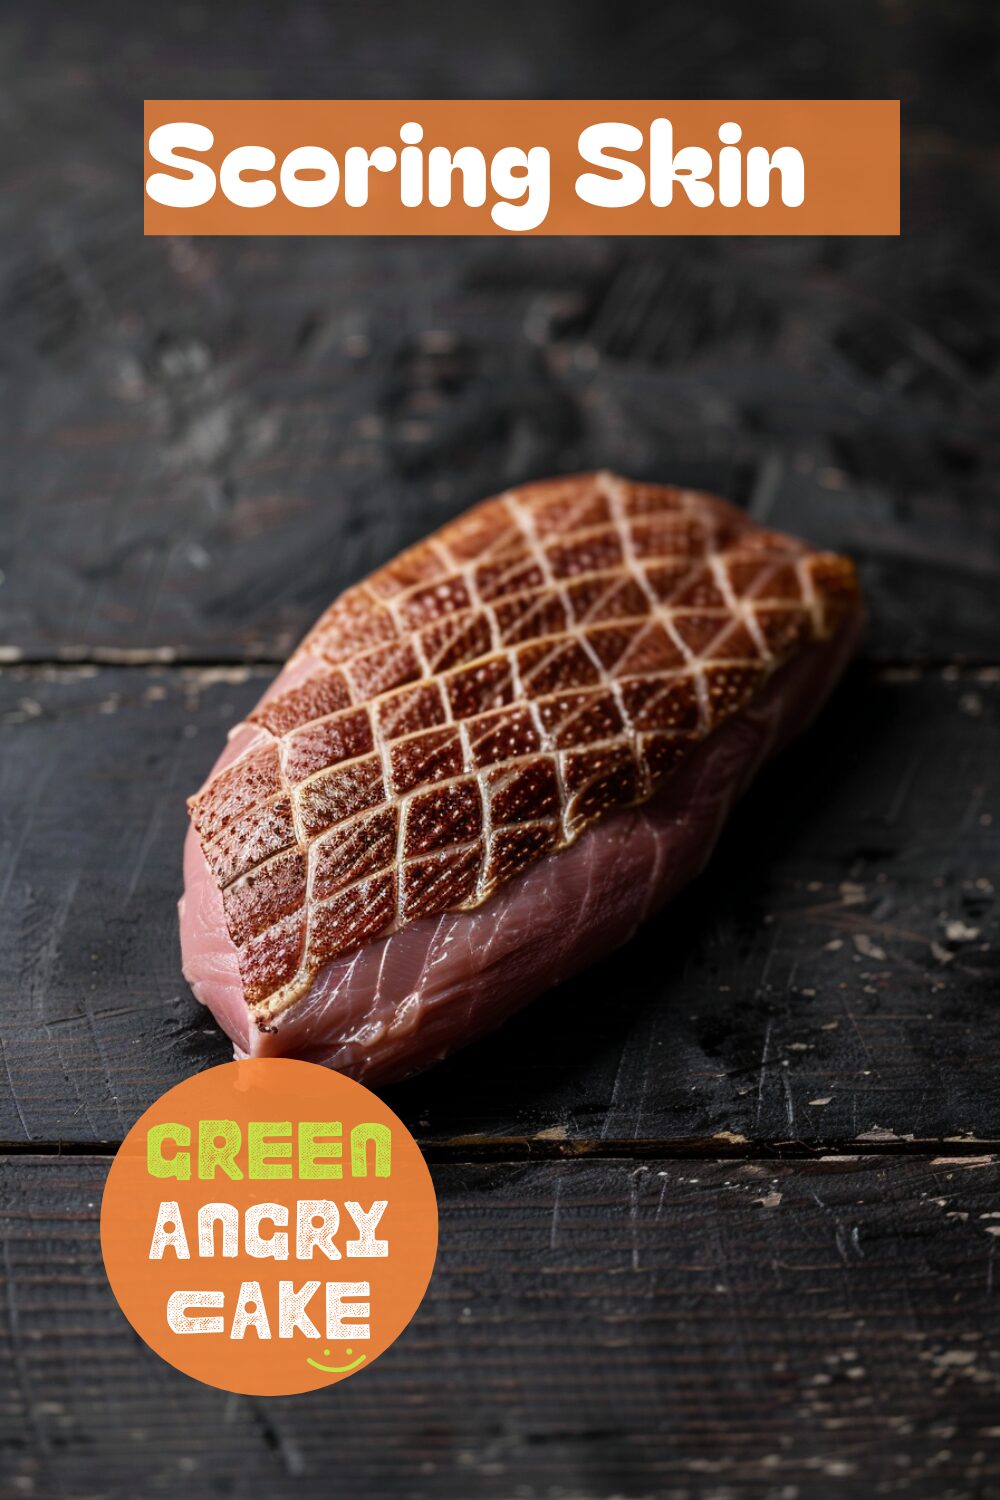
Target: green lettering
381	1135
218	1143
258	1142
179	1164
314	1149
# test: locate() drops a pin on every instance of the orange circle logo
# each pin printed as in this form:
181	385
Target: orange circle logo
269	1227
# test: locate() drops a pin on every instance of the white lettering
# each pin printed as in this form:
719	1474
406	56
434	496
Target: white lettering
197	185
515	174
629	182
235	186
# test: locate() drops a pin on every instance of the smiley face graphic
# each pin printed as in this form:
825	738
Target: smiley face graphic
337	1369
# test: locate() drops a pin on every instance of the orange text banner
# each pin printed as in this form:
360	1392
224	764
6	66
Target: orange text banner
529	166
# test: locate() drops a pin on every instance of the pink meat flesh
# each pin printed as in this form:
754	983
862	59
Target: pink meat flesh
400	1003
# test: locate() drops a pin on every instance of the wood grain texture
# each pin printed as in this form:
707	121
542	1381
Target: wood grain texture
213	490
204	441
831	978
592	1330
223	434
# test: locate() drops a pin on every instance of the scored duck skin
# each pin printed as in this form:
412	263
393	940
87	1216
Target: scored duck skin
494	758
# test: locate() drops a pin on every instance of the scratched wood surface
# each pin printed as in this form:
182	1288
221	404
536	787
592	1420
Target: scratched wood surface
712	1329
224	433
730	1236
830	978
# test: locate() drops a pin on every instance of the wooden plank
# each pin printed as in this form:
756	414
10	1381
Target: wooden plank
197	489
205	441
830	980
592	1329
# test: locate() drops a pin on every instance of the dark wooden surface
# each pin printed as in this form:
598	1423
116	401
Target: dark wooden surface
830	979
717	1218
720	1328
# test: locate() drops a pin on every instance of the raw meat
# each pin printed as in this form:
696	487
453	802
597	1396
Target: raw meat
490	761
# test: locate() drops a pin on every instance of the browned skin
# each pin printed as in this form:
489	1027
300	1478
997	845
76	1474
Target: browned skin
553	654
